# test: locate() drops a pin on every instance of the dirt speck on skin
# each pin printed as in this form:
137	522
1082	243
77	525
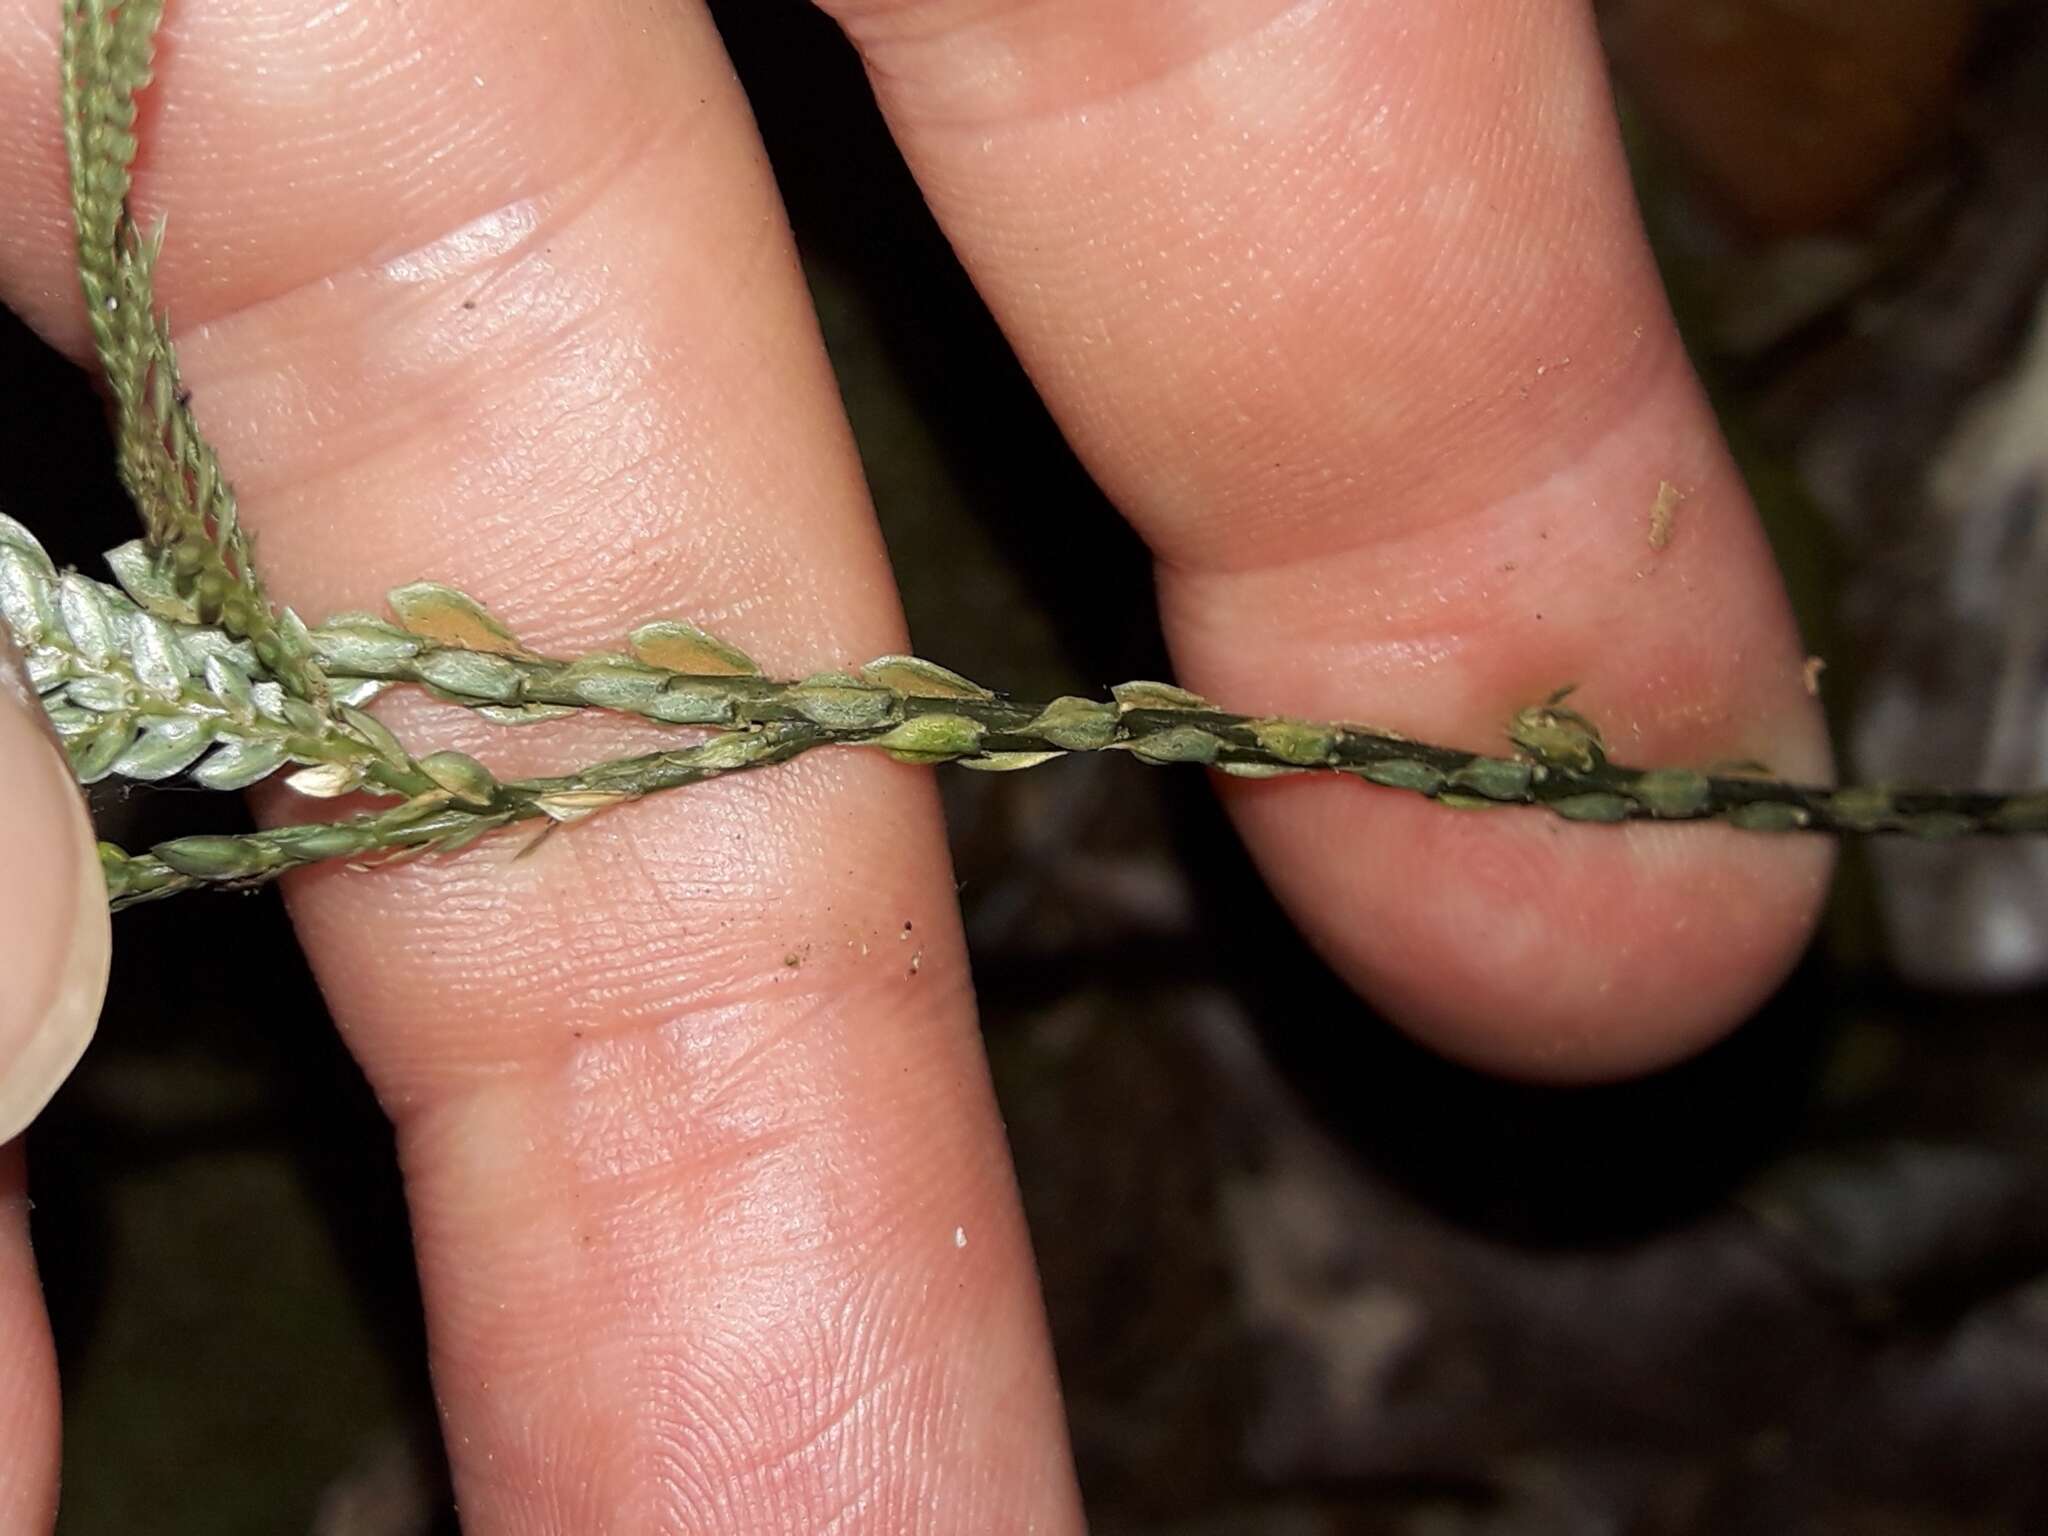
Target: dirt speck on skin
1810	675
1664	514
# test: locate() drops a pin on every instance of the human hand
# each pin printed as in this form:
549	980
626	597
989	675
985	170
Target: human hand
54	945
1345	306
54	934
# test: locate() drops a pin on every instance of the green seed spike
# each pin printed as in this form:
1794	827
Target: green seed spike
1075	724
1404	773
1296	742
143	578
1142	695
1558	737
1491	778
1672	794
764	721
170	472
917	678
93	679
843	703
933	739
470	676
2023	813
461	775
326	781
1009	762
676	645
430	824
1176	744
453	619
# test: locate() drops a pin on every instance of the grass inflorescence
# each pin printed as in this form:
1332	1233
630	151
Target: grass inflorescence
183	667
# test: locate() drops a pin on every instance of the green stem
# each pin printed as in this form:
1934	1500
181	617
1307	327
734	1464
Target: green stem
185	502
435	823
1560	767
769	722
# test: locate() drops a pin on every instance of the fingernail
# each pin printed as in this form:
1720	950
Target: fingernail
55	940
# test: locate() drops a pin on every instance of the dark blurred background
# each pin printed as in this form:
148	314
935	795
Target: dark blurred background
1305	1279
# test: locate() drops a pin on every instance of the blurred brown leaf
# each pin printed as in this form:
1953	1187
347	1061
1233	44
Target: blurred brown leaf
1792	113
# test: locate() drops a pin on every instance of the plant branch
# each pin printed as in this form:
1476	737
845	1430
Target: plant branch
170	471
440	821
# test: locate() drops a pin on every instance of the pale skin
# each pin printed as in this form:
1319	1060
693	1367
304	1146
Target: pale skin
1347	308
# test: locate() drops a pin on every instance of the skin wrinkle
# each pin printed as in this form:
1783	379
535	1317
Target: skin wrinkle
633	998
797	1456
640	1306
722	1227
1541	523
547	362
850	1438
1505	442
461	122
666	919
274	380
438	113
617	1132
1509	874
476	248
1489	621
687	529
861	1378
835	1451
981	56
519	1458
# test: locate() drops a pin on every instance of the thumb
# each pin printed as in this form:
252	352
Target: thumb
54	934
